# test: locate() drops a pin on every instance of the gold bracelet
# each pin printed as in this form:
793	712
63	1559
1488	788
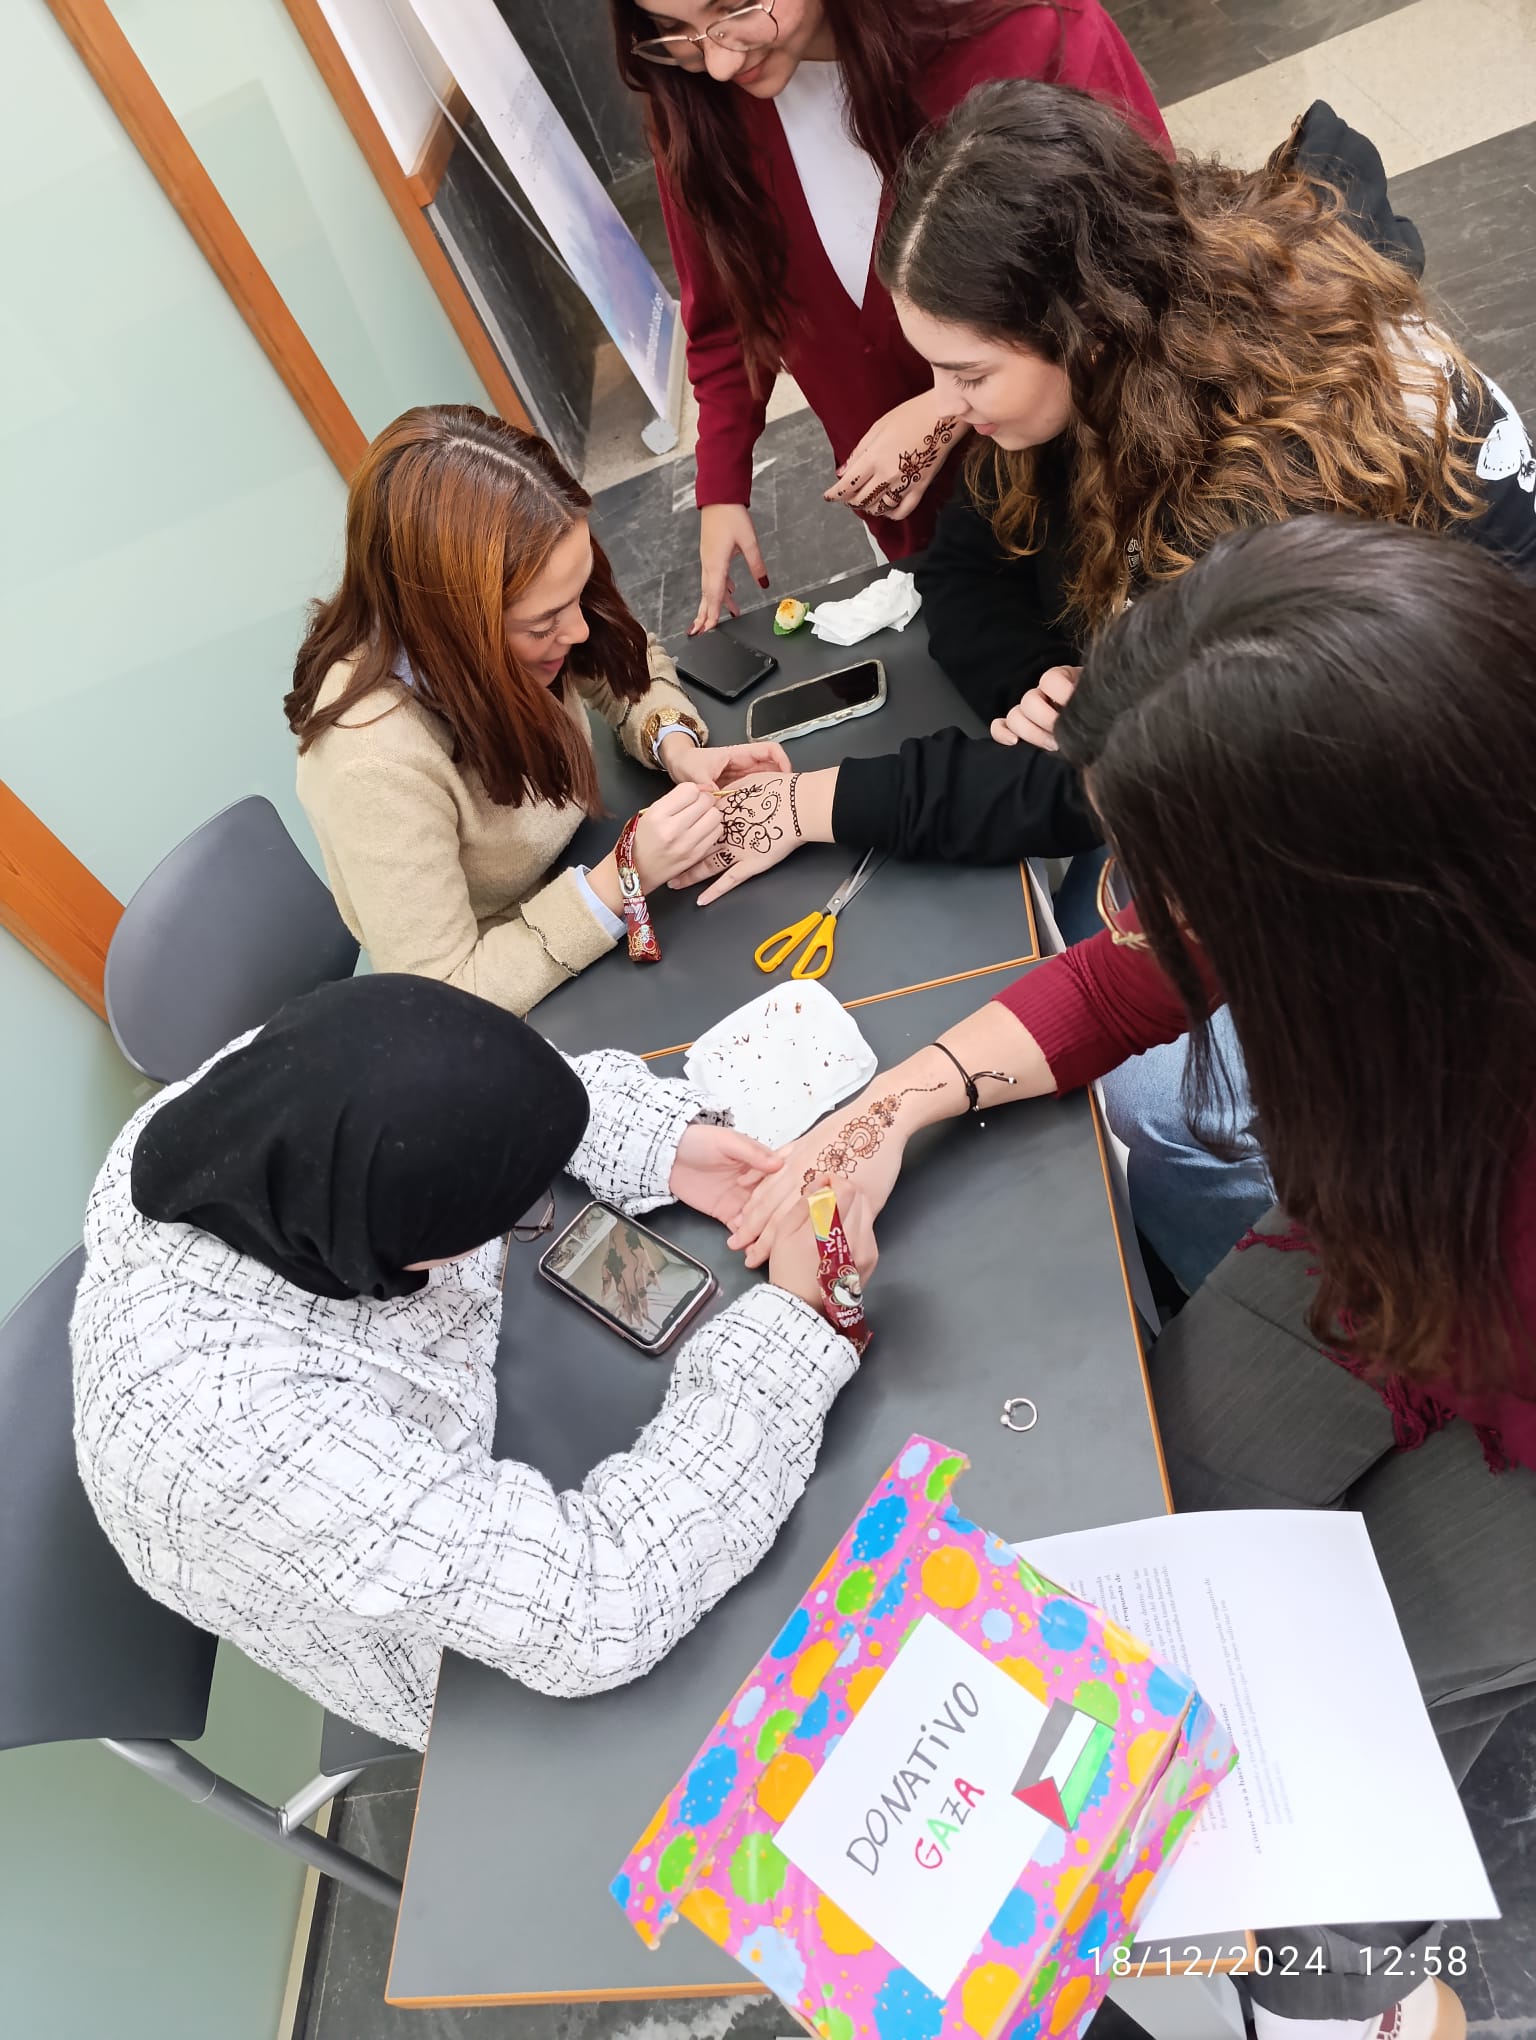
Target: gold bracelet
675	718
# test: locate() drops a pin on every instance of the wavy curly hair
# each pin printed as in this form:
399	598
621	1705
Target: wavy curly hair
1237	353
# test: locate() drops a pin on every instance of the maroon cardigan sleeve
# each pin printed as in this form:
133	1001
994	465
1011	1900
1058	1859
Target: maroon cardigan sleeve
1074	45
731	418
1095	1004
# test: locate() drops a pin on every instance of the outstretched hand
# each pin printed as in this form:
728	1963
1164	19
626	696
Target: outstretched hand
759	829
717	1169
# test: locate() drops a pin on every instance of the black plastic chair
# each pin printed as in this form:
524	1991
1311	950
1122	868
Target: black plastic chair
84	1652
229	925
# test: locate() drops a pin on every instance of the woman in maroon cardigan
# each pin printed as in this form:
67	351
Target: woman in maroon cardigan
777	129
1314	755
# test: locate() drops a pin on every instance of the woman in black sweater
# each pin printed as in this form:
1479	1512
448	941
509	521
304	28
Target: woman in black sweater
1186	349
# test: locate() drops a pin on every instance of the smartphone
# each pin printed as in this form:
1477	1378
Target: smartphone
807	705
721	664
639	1284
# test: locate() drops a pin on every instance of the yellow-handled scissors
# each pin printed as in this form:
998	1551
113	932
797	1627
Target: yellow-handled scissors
815	960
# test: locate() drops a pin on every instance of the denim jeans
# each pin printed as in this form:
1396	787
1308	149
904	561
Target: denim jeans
1190	1205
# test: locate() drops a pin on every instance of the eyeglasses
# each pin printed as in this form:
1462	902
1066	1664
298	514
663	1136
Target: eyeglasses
524	1231
746	28
1113	900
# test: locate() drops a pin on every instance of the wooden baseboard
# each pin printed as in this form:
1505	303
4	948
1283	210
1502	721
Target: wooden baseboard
426	174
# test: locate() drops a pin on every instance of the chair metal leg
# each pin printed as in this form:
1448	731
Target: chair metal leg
170	1765
299	1806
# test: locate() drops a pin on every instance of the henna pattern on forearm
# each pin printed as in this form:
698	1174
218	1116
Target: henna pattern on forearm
912	464
857	1139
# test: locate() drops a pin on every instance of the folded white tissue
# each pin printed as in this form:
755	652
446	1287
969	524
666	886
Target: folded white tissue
777	1064
890	604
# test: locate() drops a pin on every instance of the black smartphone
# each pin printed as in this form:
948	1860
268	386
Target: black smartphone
721	664
639	1284
806	705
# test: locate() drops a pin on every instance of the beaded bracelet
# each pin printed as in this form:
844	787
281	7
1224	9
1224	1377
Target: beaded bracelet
643	946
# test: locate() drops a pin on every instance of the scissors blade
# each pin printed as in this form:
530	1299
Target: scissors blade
856	880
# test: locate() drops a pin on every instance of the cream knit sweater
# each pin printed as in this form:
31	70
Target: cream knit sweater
434	878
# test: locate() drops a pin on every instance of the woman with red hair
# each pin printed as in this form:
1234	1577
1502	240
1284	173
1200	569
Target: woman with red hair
777	129
441	701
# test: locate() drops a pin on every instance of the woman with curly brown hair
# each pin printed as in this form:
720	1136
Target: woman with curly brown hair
440	701
1150	354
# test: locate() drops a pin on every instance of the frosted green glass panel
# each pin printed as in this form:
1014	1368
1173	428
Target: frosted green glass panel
165	512
245	90
167	509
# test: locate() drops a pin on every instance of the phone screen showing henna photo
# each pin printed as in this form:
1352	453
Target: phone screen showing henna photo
639	1284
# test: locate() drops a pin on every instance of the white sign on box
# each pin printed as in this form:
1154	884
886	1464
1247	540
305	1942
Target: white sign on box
781	1061
911	1825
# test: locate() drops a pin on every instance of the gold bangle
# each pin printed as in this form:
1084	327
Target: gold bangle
664	718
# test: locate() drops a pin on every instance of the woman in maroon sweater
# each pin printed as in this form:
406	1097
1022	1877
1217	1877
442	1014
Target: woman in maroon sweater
777	130
1314	754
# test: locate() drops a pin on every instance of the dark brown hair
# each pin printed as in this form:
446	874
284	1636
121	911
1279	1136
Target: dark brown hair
705	164
1315	753
450	516
1236	352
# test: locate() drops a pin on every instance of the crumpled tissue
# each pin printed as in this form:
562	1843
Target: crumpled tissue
775	1065
890	604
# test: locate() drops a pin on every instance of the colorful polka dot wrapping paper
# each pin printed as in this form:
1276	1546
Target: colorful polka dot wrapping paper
943	1797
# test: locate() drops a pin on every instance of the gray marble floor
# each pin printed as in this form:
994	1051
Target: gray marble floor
1187	46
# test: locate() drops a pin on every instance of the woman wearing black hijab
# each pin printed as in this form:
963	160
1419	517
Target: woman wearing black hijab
284	1341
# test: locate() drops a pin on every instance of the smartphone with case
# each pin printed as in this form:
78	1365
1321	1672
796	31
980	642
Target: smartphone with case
639	1284
721	664
806	705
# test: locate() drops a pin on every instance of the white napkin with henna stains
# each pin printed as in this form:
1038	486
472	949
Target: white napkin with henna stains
889	604
778	1063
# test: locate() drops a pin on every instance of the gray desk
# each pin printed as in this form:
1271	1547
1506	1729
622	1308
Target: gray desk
1001	1276
914	924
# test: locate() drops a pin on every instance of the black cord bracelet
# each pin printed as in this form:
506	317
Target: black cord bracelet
973	1096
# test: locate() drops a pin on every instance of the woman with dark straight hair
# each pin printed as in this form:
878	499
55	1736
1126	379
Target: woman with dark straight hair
440	700
1314	755
777	129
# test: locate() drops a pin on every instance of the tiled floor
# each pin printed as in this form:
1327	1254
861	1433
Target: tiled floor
1472	191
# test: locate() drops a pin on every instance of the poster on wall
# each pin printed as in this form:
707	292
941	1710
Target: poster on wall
563	190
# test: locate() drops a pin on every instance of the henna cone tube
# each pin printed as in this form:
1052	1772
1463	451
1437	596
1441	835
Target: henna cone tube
841	1290
643	946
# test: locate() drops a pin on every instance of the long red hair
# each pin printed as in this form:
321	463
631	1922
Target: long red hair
705	164
451	515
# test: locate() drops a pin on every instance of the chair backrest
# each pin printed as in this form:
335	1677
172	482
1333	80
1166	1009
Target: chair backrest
84	1652
224	929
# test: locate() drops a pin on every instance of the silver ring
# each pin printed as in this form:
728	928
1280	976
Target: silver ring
1014	1404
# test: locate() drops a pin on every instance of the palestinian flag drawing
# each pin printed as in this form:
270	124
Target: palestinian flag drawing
1064	1764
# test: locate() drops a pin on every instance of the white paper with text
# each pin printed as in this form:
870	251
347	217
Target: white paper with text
1341	1807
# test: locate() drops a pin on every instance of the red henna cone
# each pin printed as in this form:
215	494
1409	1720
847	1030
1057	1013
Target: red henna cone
841	1290
643	946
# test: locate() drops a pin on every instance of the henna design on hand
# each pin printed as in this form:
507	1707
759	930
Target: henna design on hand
752	815
913	463
857	1139
747	813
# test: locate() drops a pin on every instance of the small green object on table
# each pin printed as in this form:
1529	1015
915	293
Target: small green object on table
790	616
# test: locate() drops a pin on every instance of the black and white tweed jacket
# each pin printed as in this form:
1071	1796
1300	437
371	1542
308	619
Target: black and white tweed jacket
314	1480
